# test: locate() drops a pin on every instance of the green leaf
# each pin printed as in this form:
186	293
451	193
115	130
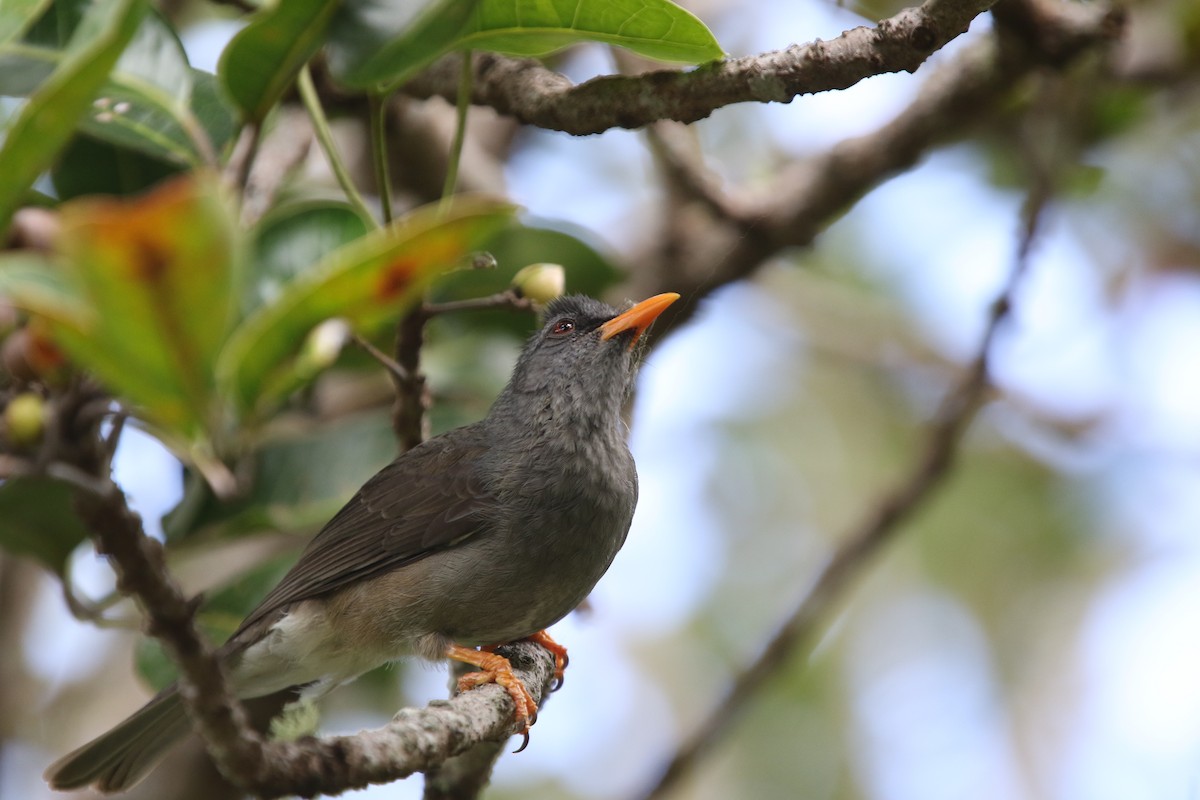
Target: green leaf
18	16
211	108
153	102
371	43
58	24
299	480
36	284
367	283
261	62
159	276
652	28
92	166
291	239
37	519
48	119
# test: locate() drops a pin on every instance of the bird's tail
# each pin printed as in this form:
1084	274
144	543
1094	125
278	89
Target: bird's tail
118	759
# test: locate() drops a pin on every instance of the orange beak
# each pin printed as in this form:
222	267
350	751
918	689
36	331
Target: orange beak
638	318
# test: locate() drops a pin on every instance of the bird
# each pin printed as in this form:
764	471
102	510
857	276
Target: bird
484	535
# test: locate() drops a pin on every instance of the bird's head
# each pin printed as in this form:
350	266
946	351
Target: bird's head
585	356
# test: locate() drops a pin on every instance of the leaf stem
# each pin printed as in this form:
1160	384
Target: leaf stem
320	123
462	104
377	104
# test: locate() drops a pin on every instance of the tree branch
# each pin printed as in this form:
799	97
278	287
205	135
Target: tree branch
800	204
876	531
525	89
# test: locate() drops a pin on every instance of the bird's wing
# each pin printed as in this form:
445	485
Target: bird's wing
431	498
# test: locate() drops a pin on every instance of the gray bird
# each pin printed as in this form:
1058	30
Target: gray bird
484	535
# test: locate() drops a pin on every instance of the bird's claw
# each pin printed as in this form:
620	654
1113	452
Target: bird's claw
561	659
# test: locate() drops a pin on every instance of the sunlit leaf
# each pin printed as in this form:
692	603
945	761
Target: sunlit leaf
262	60
386	42
653	28
368	282
37	519
48	119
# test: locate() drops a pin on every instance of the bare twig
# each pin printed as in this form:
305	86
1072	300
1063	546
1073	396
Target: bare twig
509	299
683	167
535	95
237	170
868	538
394	369
410	421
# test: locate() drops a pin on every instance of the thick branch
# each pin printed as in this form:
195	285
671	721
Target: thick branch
525	89
806	197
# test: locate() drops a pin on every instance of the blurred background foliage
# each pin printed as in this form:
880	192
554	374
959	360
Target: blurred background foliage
1030	634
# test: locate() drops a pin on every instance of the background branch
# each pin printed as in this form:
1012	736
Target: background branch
880	527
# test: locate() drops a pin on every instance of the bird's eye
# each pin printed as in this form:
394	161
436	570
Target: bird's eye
563	327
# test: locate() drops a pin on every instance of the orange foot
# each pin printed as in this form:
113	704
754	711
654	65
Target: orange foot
560	656
496	669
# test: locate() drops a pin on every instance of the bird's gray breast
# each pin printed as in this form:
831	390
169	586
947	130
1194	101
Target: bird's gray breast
567	509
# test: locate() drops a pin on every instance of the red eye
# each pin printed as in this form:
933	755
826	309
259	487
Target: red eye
563	326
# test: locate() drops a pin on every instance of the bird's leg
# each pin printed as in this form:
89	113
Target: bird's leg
560	656
496	669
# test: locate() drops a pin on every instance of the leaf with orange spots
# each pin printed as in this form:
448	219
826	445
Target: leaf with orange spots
369	282
142	293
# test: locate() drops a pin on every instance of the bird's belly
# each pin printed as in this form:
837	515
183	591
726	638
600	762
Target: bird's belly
516	583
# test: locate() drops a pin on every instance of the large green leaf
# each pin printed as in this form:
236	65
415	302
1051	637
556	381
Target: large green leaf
291	240
48	119
153	102
17	16
94	166
262	61
380	43
36	519
367	283
653	28
372	43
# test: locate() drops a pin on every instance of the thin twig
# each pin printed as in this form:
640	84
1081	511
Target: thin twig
867	539
320	123
509	298
377	106
398	372
113	440
241	160
462	105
